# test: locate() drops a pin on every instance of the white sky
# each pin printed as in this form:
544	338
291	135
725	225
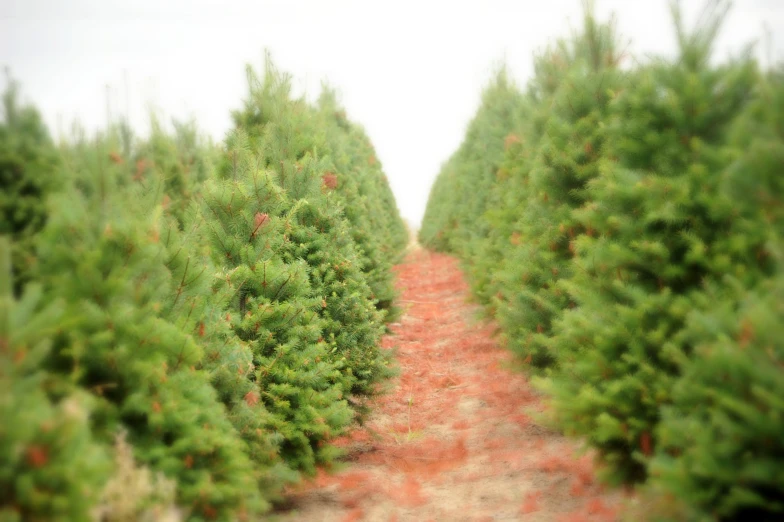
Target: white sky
410	72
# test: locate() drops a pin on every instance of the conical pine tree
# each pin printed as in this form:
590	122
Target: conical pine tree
368	205
540	252
290	138
102	256
459	197
28	165
274	310
182	162
656	211
51	467
721	452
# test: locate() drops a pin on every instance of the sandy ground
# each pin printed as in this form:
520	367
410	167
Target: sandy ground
456	438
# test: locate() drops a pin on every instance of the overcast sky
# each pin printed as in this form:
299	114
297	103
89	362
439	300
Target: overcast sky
410	72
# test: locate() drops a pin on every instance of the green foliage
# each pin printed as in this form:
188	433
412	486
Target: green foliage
294	151
721	444
274	311
28	160
349	166
200	305
103	258
568	154
626	248
180	163
221	307
369	206
50	466
460	194
658	219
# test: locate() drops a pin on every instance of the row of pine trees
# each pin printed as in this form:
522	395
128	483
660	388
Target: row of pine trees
185	325
622	220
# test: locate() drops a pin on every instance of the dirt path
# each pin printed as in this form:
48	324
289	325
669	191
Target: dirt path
455	439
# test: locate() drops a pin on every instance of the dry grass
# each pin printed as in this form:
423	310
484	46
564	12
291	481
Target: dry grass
134	494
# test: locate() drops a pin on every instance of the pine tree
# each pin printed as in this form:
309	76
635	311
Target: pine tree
28	160
367	201
514	133
231	329
633	248
182	162
721	450
198	306
507	194
274	310
102	256
292	145
539	254
655	213
460	194
51	467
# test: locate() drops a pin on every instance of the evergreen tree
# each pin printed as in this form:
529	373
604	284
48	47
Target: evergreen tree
274	310
540	252
182	162
507	195
368	204
102	255
500	225
631	245
653	218
200	307
721	450
28	160
51	468
352	326
291	142
460	194
231	330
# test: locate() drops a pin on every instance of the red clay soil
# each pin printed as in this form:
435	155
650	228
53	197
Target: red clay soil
455	439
